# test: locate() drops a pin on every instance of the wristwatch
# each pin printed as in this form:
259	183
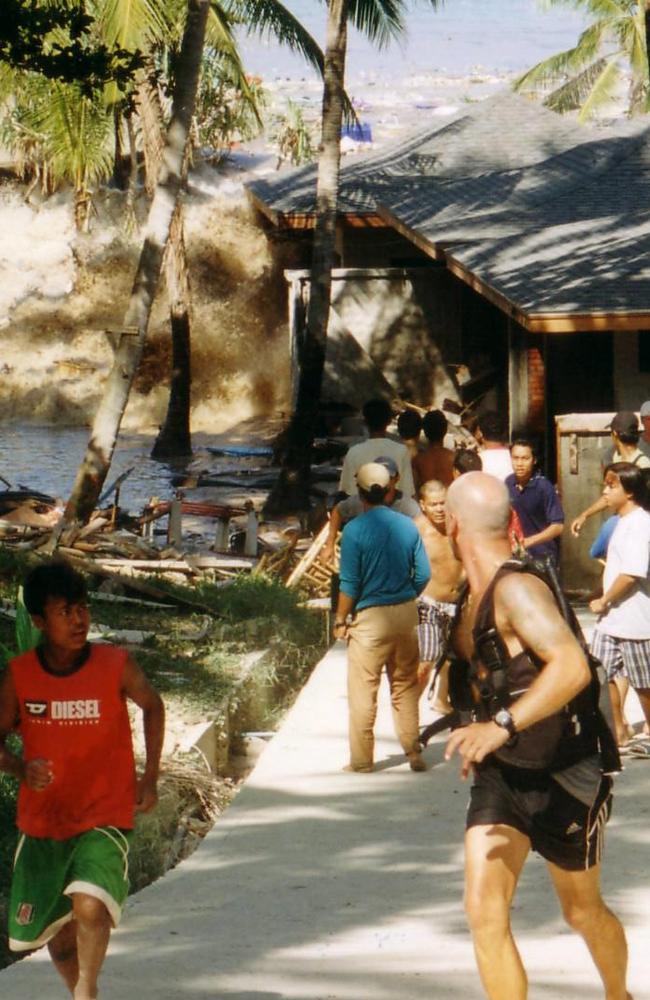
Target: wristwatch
504	719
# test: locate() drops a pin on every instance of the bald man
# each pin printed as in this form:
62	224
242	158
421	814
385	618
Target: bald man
560	814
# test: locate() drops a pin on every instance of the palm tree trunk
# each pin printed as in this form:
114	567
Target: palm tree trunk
292	490
96	462
174	438
647	38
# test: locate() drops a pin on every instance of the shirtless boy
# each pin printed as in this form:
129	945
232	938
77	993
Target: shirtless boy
78	788
437	603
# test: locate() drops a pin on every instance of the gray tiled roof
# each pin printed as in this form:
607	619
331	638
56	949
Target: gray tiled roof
553	216
502	133
585	249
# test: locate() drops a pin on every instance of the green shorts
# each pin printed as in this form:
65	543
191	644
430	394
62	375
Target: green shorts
47	872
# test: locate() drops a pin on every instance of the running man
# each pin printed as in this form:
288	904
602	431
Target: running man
560	814
78	788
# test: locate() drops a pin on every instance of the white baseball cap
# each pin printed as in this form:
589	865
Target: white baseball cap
373	474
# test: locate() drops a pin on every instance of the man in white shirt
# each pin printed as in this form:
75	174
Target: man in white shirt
377	414
493	438
621	638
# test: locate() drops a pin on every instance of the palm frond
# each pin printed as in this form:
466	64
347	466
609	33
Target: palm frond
565	63
270	17
131	24
9	81
632	40
586	88
381	21
602	90
596	8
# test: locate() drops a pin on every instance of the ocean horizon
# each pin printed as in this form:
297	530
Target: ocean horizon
460	38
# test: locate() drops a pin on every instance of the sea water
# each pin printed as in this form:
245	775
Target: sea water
458	38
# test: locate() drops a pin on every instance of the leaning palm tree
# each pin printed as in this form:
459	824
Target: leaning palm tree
381	21
156	30
589	76
97	459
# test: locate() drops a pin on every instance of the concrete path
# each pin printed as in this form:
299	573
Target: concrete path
323	885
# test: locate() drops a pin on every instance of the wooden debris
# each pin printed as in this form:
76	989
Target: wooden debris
310	567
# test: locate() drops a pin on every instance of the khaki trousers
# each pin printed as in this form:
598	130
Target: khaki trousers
382	635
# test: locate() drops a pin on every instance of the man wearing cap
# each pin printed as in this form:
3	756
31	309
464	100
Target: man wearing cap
644	440
351	507
625	441
383	569
377	414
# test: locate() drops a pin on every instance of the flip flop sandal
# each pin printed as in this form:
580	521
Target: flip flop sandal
640	749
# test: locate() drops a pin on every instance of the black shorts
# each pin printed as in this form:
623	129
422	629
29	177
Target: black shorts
561	828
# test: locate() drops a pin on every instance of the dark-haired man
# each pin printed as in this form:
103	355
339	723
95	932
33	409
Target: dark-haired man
492	435
377	414
351	507
436	461
78	790
535	501
621	639
625	434
383	569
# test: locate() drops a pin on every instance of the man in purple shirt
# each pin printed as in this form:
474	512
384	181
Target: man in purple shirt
535	500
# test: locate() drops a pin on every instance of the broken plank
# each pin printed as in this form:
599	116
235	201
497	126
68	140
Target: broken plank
181	565
309	557
137	584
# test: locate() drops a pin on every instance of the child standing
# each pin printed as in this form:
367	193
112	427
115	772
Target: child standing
78	787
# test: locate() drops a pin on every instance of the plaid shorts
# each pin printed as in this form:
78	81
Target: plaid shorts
629	657
434	626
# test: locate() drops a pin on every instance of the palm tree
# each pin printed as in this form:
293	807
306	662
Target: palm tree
588	76
97	459
380	20
164	218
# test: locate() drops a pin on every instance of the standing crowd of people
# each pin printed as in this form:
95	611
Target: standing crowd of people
456	585
466	588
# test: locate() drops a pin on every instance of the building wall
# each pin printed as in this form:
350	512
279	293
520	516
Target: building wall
391	333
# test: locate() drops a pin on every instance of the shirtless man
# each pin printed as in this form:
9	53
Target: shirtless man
511	809
437	602
436	461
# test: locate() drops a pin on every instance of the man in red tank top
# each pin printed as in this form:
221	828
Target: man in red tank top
78	788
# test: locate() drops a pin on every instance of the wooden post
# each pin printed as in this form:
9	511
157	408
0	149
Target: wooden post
175	524
250	542
222	535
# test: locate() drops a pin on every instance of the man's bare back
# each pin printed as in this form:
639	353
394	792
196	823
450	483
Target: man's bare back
436	462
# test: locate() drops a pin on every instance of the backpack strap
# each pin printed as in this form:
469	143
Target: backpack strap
487	638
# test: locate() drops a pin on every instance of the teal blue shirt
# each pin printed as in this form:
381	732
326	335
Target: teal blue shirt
382	559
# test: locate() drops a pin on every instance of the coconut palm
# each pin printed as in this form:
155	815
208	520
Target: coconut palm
163	220
381	21
97	459
589	76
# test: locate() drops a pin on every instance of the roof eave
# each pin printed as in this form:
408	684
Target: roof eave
593	321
